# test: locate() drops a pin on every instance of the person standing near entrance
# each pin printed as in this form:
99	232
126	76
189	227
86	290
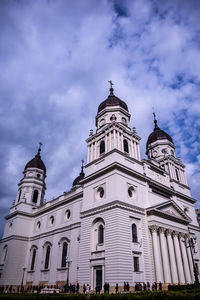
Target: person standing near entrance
116	288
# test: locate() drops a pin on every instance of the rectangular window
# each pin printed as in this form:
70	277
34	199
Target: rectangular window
196	268
136	264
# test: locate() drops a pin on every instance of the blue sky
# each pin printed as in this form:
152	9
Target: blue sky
56	57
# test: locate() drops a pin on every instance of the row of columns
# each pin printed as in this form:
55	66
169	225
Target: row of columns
181	175
113	140
172	259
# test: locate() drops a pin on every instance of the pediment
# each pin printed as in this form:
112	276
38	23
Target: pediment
169	210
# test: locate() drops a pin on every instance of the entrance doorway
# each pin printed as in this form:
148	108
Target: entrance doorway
99	277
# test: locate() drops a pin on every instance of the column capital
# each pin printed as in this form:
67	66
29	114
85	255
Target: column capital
169	232
175	233
161	230
153	228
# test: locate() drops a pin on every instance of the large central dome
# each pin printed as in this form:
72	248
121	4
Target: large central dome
112	100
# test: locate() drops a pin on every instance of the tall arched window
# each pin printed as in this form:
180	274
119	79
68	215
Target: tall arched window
100	234
33	259
134	233
35	196
48	250
126	146
102	147
20	192
5	251
64	255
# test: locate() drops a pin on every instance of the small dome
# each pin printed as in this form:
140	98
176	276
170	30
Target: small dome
79	178
158	134
36	162
112	100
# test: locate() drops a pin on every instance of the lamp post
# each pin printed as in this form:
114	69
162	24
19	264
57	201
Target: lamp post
22	279
191	244
68	264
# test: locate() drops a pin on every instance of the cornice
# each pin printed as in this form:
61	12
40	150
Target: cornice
42	210
167	216
55	231
112	205
111	126
41	235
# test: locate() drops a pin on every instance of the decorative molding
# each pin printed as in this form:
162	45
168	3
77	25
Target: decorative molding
112	205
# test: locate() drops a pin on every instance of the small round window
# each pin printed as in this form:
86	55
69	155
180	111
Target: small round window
38	175
100	192
67	214
131	192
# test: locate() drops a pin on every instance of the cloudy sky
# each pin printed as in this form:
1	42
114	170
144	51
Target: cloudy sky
56	57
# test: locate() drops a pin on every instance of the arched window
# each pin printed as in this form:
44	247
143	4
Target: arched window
35	196
20	192
5	251
64	255
102	147
125	146
33	259
134	233
100	234
48	250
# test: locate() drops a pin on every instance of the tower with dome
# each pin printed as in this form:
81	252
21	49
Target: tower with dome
125	219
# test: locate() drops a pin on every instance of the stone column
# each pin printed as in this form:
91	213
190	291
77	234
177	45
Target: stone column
172	257
165	257
178	258
110	135
88	159
122	144
185	261
118	141
138	148
133	155
136	157
114	137
190	260
156	252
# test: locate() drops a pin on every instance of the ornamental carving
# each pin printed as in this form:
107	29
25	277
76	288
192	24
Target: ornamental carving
169	232
153	228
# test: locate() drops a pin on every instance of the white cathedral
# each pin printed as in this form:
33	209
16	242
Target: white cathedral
124	219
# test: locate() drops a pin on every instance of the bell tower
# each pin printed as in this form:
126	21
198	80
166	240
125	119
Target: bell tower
31	188
113	131
160	150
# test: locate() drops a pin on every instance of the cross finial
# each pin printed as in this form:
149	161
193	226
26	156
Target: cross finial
111	84
39	149
40	145
155	122
111	88
82	165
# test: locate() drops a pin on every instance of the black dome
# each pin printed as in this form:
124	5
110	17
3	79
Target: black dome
79	178
112	100
36	162
158	134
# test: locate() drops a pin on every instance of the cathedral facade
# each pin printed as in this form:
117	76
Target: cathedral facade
124	219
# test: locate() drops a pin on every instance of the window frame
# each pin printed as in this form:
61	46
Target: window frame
134	233
125	146
136	264
102	147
